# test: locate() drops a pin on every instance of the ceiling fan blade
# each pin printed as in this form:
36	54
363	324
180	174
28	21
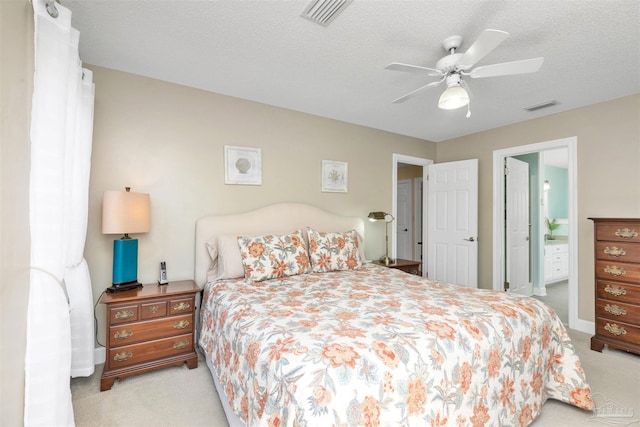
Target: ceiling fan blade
413	92
507	68
397	66
485	43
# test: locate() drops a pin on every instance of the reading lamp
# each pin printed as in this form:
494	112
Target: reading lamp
124	212
377	216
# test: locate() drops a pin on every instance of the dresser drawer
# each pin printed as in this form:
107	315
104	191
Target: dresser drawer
618	251
150	330
617	291
123	313
153	310
619	271
620	232
128	355
618	312
182	305
618	331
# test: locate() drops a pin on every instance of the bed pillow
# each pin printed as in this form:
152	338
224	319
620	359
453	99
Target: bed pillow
271	256
333	251
229	258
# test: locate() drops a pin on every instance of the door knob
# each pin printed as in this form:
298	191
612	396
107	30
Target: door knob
470	239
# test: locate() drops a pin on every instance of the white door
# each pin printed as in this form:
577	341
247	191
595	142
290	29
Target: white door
453	222
403	220
517	227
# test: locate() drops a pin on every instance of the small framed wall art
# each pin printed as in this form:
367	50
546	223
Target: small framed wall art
242	165
334	176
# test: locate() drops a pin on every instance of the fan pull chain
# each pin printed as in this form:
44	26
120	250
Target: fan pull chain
468	110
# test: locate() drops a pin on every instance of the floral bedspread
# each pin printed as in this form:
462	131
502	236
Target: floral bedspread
380	347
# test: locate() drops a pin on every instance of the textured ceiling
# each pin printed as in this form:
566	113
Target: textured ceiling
264	51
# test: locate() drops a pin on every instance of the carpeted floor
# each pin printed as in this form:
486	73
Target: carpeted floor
178	396
558	298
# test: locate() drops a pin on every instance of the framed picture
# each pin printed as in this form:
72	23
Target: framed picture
334	176
242	165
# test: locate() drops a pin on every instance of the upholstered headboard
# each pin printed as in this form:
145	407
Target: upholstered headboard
278	218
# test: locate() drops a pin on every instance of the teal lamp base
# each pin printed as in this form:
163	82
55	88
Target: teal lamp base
125	265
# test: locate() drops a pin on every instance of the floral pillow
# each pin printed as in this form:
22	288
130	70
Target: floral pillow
271	257
333	251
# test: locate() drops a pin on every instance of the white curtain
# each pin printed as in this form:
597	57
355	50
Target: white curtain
60	324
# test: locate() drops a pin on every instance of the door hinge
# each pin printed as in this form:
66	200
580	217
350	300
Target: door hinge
506	171
506	286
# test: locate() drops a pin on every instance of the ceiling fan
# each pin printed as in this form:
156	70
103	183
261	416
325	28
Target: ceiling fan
453	67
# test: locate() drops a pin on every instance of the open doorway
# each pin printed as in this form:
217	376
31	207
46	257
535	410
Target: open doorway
407	192
539	228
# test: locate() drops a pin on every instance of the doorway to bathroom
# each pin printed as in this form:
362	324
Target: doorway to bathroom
547	269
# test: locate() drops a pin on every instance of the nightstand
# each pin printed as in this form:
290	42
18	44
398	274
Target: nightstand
149	328
411	267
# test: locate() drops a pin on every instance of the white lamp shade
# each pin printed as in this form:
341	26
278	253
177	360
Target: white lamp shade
454	97
125	212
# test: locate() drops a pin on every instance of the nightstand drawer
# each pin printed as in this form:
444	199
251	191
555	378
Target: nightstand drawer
150	330
128	355
153	310
123	313
183	305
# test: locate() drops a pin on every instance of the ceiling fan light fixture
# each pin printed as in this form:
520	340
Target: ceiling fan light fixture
453	97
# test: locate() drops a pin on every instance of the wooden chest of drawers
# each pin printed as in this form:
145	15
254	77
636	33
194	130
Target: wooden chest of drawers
149	328
617	275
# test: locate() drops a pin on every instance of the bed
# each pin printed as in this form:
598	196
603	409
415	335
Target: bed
344	342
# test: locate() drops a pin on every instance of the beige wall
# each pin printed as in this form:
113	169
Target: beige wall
167	140
16	84
608	163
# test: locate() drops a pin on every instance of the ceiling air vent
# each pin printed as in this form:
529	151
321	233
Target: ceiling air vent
541	105
324	11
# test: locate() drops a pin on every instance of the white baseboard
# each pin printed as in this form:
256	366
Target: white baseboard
585	326
540	292
100	355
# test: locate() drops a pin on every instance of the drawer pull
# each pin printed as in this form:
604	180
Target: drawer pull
182	306
123	334
614	270
179	345
615	290
616	310
626	233
615	329
153	309
122	315
181	324
121	357
614	251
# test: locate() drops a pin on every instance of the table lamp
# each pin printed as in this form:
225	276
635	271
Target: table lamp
124	212
377	216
